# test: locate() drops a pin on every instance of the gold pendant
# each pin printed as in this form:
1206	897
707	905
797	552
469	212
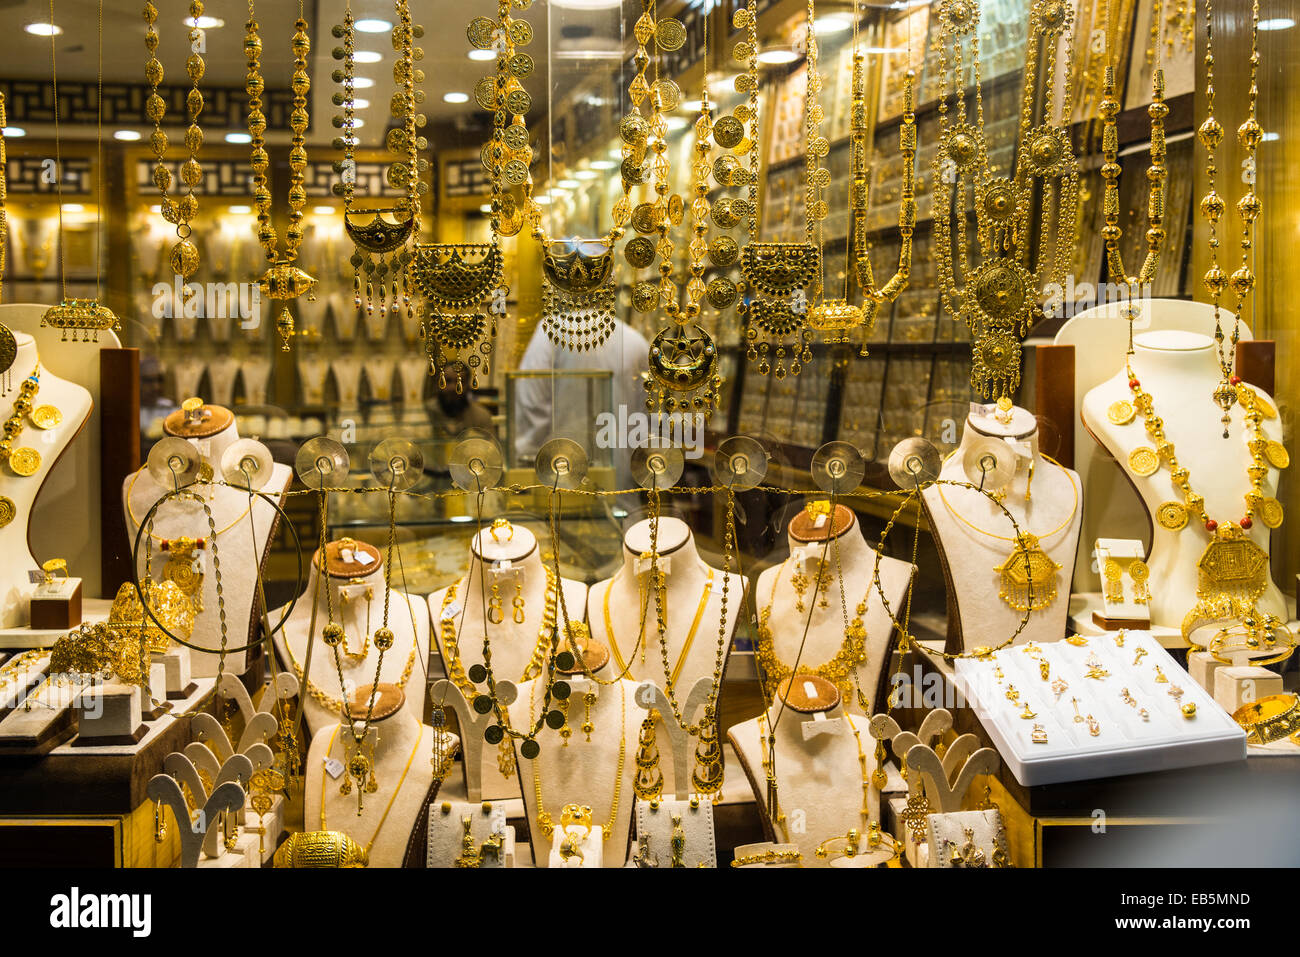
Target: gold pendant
1028	576
1277	455
1121	412
49	417
1172	515
1232	566
506	758
1270	512
24	461
184	568
7	510
1143	461
84	318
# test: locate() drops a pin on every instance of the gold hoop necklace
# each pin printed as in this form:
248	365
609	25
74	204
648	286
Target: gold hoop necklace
195	496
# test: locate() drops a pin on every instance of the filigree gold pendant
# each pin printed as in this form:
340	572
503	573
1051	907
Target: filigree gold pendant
454	279
1028	576
282	282
84	318
578	293
775	321
381	255
683	371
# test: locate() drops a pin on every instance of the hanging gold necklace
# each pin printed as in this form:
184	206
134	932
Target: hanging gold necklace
284	280
545	823
85	319
391	801
999	297
686	645
1028	575
178	211
1250	134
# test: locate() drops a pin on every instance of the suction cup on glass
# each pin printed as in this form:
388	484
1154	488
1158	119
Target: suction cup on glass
173	462
989	463
838	468
658	467
476	464
396	463
740	462
913	462
562	463
322	462
246	464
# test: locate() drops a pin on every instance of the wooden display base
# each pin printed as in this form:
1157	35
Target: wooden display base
153	714
183	693
113	740
93	610
57	611
1120	624
37	732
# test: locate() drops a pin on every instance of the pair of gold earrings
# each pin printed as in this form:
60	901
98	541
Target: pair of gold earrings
587	726
496	607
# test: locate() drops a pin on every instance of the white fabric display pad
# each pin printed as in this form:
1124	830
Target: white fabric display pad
517	560
407	619
970	556
16	538
584	772
686	583
818	774
857	561
401	738
312	373
654	822
1100	338
446	842
67	510
237	538
946	833
1180	371
1125	744
1124	606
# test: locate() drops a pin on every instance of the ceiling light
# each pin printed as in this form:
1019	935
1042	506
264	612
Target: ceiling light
568	184
239	210
43	29
692	106
585	173
362	83
677	123
128	136
359	104
778	56
357	122
366	56
455	97
543	200
486	208
156	208
323	210
482	54
205	23
833	23
587	4
73	208
581	54
238	138
1271	136
604	164
14	131
373	26
1277	23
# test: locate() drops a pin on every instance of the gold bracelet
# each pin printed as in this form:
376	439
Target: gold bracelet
768	857
1271	718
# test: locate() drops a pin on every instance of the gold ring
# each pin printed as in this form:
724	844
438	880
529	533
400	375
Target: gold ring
497	525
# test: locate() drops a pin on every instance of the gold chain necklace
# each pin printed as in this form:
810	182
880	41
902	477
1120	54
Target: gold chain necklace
686	645
329	702
840	669
158	538
391	801
283	280
23	461
544	822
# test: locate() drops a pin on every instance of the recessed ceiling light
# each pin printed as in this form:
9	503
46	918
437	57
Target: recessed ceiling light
543	200
128	136
604	164
73	208
594	54
206	23
156	208
43	29
832	23
14	131
373	26
1271	136
323	210
692	106
777	57
568	184
585	173
362	83
238	138
587	4
239	210
1277	23
366	56
357	122
358	103
482	54
455	97
485	208
677	122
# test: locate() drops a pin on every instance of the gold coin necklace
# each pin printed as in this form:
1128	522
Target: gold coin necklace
22	461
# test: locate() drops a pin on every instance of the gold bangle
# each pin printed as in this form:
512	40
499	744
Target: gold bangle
1265	632
320	849
1271	718
768	857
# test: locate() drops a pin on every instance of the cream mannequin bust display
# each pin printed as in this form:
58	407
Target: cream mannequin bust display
598	773
18	492
346	316
782	622
356	570
821	766
974	537
1180	371
255	373
186	374
347	380
412	373
312	372
310	314
509	556
403	767
693	605
241	531
379	376
221	378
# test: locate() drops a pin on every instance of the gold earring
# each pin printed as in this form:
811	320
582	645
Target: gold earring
496	612
159	822
649	782
1029	480
587	701
517	603
565	731
1114	576
800	582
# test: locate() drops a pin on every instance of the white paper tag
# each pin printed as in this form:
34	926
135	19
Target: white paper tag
643	565
451	611
1022	448
820	724
59	588
333	767
819	521
359	557
715	586
980	409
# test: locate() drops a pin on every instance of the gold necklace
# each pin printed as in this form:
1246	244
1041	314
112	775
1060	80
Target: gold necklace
391	801
329	702
177	211
23	461
686	645
1028	568
8	344
284	280
158	538
839	669
544	822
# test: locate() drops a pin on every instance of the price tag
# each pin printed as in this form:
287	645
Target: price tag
358	557
643	565
981	410
1023	448
820	724
333	767
715	586
451	612
819	521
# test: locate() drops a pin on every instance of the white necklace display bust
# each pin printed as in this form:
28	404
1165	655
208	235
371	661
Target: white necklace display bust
1180	371
974	538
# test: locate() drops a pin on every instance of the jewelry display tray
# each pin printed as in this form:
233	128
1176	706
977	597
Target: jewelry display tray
1126	744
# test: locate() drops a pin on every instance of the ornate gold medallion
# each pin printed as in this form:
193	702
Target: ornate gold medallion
1028	576
46	417
1232	566
24	461
1121	412
1143	461
1277	455
1172	515
7	510
184	568
1270	512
